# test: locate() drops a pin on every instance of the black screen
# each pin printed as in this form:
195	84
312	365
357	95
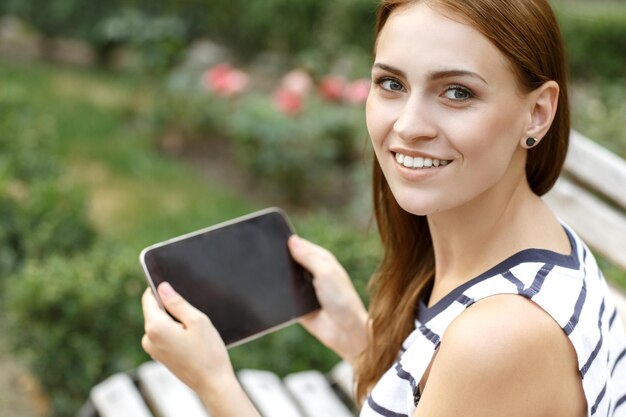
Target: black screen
241	275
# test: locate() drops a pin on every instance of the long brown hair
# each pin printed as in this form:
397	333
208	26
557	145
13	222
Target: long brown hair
526	32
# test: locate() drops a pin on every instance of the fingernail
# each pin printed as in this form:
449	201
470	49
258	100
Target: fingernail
295	240
166	290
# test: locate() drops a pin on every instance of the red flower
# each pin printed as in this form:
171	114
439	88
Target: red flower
297	81
357	91
224	80
287	101
332	87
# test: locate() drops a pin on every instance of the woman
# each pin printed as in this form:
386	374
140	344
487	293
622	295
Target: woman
484	303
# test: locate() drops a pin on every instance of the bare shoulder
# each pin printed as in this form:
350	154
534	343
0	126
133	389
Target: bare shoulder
504	355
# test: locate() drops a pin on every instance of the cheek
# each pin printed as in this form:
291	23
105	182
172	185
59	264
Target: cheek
379	119
488	151
492	135
372	121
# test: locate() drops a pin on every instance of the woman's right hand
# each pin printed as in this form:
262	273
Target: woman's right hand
341	323
194	351
190	347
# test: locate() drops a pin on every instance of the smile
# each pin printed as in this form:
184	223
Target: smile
418	162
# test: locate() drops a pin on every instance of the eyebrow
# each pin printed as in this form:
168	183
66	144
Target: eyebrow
434	75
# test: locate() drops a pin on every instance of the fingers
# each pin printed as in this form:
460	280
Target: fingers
156	322
311	256
177	306
150	306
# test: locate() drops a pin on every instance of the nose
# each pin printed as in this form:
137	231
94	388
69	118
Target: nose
414	121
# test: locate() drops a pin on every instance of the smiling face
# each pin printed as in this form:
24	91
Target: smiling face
445	114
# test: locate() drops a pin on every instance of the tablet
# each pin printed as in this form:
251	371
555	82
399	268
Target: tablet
240	273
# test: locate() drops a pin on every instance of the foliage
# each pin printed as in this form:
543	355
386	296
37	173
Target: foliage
301	140
599	111
159	40
39	214
246	26
77	320
307	158
595	39
316	32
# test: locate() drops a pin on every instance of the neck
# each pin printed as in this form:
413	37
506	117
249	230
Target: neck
477	236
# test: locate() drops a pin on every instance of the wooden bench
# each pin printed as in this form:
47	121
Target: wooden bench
152	390
590	196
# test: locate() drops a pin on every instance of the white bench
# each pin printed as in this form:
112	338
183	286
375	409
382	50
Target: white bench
590	196
154	391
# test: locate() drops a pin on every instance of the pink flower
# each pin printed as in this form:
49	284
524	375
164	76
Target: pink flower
357	91
224	80
332	87
287	101
297	81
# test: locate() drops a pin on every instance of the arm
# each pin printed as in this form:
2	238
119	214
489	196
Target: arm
194	352
504	356
341	324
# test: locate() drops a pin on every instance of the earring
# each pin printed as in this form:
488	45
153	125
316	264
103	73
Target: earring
530	142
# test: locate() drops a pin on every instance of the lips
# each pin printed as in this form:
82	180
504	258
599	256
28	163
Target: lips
419	162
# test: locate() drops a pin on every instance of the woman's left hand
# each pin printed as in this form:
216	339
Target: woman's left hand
192	349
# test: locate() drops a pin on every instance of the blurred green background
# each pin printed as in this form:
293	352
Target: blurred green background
127	122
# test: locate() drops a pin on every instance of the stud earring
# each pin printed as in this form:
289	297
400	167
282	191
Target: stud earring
530	142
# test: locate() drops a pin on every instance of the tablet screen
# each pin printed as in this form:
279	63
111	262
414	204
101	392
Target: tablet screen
239	273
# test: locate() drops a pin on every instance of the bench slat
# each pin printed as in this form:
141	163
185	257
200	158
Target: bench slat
117	396
268	393
342	375
167	394
598	167
315	395
600	226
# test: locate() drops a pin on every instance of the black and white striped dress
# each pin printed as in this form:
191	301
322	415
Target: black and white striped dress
570	288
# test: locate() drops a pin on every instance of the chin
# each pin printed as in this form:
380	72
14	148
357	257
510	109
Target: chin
417	207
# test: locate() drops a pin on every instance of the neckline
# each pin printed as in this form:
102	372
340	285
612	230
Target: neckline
531	255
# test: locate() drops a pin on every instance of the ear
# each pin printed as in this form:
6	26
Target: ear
544	102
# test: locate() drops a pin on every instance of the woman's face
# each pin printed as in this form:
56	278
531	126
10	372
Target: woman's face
444	113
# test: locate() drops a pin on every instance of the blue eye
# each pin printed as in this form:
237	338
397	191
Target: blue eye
457	93
390	84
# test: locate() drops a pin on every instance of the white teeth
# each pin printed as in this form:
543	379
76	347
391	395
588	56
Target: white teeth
419	162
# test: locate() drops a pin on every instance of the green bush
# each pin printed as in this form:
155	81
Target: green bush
191	112
595	39
40	214
307	157
594	31
158	29
159	40
77	320
39	220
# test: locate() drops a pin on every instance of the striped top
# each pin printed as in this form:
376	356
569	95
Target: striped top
570	288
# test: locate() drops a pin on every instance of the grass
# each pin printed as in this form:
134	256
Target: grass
137	195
